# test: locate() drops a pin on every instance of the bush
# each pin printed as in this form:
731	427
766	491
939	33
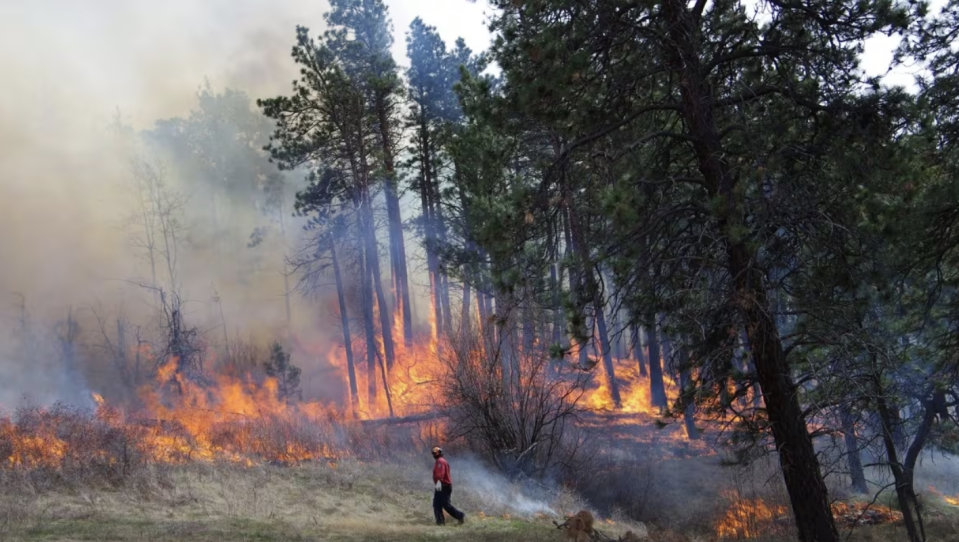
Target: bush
509	405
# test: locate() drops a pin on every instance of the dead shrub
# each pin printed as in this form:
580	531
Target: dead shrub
508	404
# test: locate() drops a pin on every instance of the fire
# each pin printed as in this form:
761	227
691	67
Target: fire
231	419
634	391
861	513
751	518
243	419
747	518
950	500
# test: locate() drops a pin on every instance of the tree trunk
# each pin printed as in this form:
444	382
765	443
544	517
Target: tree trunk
689	421
638	350
429	236
366	293
557	308
657	388
594	296
801	473
465	310
286	276
395	218
345	322
853	459
373	263
445	297
904	490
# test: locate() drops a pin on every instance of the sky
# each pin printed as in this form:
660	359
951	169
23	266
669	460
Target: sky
147	58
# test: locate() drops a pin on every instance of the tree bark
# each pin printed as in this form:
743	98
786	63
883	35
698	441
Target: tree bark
594	296
904	491
345	322
638	350
394	216
373	263
801	473
366	294
853	459
657	388
689	420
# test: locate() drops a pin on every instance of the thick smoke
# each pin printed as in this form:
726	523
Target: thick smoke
69	69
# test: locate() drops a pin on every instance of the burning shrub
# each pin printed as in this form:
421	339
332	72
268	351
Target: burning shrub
69	445
748	518
508	405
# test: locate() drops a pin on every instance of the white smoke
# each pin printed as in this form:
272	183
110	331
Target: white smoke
497	493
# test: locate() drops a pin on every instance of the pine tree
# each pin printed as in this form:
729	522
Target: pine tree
286	374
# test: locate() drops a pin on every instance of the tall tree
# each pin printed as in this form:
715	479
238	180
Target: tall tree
706	122
328	121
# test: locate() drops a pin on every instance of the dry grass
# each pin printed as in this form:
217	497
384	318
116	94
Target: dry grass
381	501
203	502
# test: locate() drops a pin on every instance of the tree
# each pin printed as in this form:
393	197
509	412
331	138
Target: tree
702	130
327	124
286	374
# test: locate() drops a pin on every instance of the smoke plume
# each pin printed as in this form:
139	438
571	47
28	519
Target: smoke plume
69	69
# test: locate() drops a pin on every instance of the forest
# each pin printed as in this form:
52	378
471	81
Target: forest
628	233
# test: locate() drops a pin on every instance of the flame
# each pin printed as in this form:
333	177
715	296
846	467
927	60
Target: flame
951	500
227	415
634	390
752	518
746	518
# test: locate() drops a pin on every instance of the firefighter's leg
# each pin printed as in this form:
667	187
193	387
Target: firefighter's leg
438	507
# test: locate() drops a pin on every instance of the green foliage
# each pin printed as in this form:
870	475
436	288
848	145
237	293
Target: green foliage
286	374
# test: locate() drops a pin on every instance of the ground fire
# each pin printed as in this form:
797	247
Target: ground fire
754	517
242	419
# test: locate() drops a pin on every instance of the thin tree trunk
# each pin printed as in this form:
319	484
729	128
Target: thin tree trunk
345	321
853	459
594	296
638	350
386	382
657	389
445	297
366	292
904	492
373	263
397	242
430	225
286	276
465	310
689	420
557	308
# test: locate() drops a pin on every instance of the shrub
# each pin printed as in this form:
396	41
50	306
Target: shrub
509	405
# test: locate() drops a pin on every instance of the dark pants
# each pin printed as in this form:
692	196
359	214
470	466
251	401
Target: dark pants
441	501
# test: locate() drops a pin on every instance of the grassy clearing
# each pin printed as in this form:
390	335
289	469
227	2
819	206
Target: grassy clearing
388	502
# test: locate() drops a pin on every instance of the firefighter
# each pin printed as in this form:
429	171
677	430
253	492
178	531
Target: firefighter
444	488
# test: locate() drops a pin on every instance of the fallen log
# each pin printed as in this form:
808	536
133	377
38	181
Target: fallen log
405	419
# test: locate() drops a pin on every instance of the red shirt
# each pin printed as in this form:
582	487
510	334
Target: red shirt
441	472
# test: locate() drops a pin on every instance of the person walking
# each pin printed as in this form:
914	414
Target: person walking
444	489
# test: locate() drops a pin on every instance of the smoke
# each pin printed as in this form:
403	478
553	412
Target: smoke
496	492
65	198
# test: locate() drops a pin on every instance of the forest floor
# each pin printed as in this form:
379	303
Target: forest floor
347	502
225	502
